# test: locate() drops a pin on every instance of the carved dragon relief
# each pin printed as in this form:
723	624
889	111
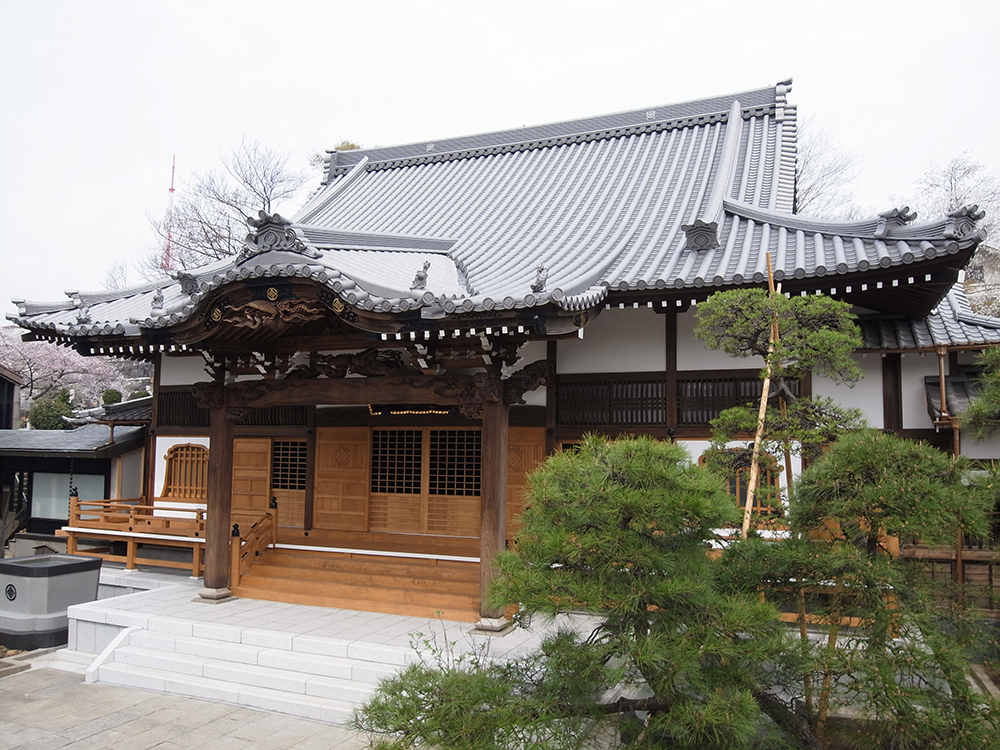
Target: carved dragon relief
276	317
209	395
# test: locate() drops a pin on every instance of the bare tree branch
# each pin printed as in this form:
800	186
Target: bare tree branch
823	174
207	220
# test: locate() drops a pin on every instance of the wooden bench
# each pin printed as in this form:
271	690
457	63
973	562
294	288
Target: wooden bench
164	523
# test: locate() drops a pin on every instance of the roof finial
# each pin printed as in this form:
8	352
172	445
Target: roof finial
895	217
420	280
962	221
541	275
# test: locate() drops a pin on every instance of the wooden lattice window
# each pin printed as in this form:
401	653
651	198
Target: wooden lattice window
735	464
455	462
397	461
288	464
634	400
703	396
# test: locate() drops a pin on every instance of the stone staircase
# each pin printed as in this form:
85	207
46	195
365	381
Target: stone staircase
307	676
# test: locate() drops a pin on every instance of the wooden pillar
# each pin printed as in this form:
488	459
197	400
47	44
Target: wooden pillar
892	391
670	368
219	503
493	505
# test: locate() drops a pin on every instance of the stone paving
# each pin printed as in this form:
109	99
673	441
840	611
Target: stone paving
49	709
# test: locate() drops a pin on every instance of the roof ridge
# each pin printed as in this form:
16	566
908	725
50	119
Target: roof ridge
677	114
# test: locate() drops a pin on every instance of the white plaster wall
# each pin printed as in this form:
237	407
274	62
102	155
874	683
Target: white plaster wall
629	340
913	368
131	476
866	393
692	354
695	448
182	370
985	449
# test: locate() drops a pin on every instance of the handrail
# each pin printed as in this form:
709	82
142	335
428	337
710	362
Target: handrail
247	546
137	516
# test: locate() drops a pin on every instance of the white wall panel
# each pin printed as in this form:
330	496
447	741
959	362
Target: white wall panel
692	354
182	370
986	449
914	367
866	393
629	340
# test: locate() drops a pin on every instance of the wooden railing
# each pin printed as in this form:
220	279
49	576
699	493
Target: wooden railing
254	536
135	523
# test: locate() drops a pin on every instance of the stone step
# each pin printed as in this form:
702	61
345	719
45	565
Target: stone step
347	690
147	678
164	634
306	655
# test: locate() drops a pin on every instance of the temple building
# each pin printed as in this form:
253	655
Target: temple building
391	362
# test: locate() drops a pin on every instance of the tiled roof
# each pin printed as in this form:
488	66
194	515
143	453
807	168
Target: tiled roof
678	197
92	440
952	324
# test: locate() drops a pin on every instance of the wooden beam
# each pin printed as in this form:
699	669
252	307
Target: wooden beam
390	389
219	503
493	505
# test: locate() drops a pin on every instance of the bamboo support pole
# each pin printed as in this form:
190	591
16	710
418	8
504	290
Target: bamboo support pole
761	414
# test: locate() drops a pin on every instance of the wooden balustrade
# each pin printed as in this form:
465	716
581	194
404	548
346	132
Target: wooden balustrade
135	523
256	534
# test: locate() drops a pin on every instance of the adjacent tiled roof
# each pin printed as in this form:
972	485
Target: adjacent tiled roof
952	324
92	440
134	410
677	197
958	394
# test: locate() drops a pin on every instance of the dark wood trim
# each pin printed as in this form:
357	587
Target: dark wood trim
307	511
738	372
940	439
670	382
589	377
493	498
390	389
892	392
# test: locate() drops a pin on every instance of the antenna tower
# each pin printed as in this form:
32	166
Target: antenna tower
166	260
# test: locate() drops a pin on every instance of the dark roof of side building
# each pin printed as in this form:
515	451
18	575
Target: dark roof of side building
88	441
10	375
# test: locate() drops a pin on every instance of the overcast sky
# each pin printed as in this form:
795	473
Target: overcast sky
99	95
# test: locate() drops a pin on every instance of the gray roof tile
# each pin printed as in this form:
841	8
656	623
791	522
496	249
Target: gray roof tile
85	440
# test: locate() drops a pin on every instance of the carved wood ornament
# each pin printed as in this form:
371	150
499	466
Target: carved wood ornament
407	387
